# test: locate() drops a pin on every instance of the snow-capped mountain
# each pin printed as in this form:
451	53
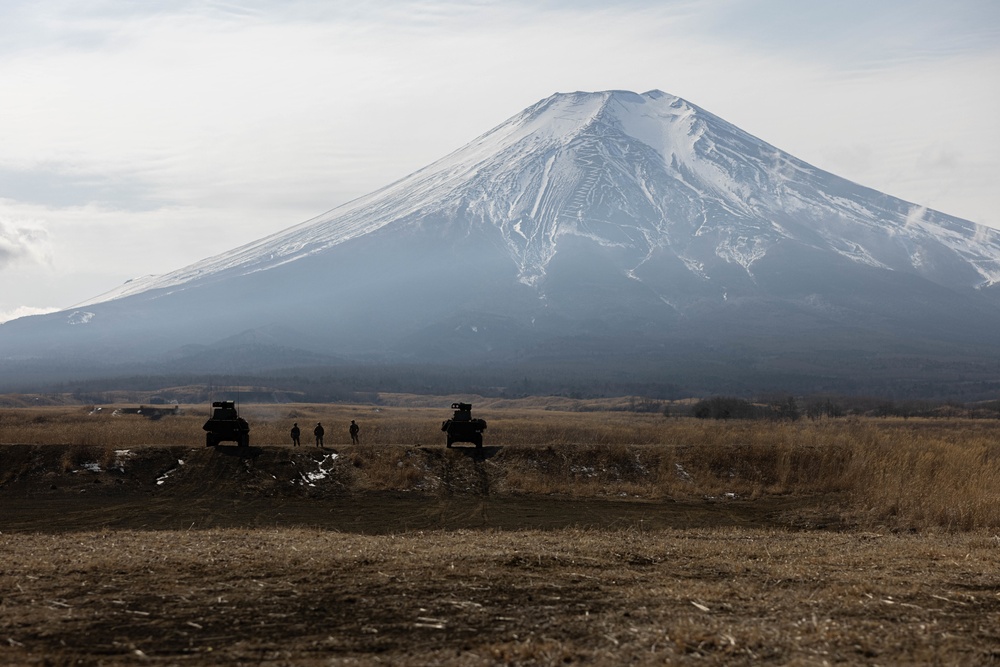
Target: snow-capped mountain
606	223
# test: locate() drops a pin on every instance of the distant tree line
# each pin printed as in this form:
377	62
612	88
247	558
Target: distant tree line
360	383
817	407
727	407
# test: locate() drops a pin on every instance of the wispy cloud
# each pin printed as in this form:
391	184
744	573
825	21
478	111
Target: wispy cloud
63	186
207	103
21	242
23	311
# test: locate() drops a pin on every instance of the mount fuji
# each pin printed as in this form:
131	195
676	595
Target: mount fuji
606	234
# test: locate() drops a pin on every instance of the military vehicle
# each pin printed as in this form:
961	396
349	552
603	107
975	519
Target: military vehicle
226	425
462	427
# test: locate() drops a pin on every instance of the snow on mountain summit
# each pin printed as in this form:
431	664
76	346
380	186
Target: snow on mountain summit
609	234
650	175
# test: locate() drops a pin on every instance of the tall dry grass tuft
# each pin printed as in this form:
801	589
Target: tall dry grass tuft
107	427
392	469
691	470
78	457
914	480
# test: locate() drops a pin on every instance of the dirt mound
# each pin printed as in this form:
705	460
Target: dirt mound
51	488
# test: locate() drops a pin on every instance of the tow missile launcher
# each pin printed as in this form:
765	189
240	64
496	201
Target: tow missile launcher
462	427
226	425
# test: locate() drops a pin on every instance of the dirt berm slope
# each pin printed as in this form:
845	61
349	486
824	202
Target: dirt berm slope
57	488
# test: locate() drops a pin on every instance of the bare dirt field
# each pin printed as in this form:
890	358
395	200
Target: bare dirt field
283	596
510	555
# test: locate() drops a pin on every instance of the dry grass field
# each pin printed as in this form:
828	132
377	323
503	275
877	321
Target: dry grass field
573	537
306	597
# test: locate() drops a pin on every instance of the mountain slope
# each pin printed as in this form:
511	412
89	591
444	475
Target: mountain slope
589	221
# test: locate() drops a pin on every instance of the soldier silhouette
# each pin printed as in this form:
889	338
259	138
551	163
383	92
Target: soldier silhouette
318	432
354	432
295	435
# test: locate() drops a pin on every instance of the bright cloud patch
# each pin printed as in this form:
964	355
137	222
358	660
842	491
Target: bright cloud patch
23	311
21	242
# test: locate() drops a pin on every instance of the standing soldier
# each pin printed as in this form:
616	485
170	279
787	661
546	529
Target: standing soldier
354	432
295	434
318	432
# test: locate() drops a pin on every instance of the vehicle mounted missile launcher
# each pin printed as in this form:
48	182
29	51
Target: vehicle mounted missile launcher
226	425
462	427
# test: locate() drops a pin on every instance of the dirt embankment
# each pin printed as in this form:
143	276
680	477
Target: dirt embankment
51	488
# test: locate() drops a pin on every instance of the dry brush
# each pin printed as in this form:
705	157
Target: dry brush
906	474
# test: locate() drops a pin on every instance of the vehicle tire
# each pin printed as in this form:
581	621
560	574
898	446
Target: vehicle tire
209	440
479	441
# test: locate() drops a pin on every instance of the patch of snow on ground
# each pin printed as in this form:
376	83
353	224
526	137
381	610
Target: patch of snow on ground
122	455
694	266
79	317
163	478
321	473
743	251
859	254
727	496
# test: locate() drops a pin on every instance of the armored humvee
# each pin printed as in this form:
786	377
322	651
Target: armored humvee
226	425
462	427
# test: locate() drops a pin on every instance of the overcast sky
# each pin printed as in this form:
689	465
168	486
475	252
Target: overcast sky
139	137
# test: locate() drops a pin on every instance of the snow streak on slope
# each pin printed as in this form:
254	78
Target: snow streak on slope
438	188
649	175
